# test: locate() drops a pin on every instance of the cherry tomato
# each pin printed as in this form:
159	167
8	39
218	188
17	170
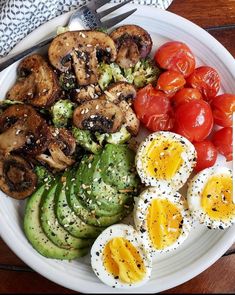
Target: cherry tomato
223	141
175	56
194	120
185	95
206	154
206	80
170	82
153	109
223	107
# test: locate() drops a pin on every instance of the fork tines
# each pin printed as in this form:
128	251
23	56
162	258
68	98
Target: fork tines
108	11
99	3
117	19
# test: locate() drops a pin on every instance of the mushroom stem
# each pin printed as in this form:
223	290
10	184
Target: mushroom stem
84	62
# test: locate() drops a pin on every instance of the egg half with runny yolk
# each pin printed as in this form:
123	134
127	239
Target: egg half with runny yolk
119	257
162	218
210	197
165	158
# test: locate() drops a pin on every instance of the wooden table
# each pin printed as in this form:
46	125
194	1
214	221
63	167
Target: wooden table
218	18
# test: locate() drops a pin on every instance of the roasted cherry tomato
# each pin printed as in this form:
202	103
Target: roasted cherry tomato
176	56
185	95
223	107
153	108
170	82
223	141
194	120
206	154
206	80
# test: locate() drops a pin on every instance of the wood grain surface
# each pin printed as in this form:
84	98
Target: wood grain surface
218	18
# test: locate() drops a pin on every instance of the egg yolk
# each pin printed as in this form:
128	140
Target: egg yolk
164	223
216	197
163	158
123	261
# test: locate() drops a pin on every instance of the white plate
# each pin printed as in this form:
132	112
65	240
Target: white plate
203	247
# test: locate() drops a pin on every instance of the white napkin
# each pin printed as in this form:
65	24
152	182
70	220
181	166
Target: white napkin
20	17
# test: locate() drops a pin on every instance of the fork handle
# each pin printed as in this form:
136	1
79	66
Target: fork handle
10	59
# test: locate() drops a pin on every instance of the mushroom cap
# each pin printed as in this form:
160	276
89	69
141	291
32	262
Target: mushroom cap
64	139
119	91
64	44
132	43
98	115
81	50
17	178
37	83
22	129
123	94
61	146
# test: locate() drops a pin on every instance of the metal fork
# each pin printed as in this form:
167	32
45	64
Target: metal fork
85	17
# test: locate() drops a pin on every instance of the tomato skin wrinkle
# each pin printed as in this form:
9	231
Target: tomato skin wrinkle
170	82
177	56
153	109
206	80
223	107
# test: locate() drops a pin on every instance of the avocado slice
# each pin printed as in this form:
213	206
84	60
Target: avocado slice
94	194
36	236
90	217
118	169
51	227
67	217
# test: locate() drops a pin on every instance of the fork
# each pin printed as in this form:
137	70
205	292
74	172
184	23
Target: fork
85	17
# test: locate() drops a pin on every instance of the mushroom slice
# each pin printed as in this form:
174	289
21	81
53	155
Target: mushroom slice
86	93
57	160
123	94
17	178
64	139
46	159
132	43
81	50
98	115
13	138
83	63
128	54
13	113
119	91
58	155
22	129
37	83
131	121
62	145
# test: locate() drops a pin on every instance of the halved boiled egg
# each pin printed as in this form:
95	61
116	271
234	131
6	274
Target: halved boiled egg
162	217
167	158
210	197
119	258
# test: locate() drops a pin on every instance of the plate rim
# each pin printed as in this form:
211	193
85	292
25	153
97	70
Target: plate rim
227	239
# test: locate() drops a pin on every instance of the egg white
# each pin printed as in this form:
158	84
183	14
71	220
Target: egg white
126	232
181	176
195	188
141	207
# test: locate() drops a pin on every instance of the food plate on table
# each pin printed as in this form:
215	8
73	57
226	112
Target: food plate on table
202	246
